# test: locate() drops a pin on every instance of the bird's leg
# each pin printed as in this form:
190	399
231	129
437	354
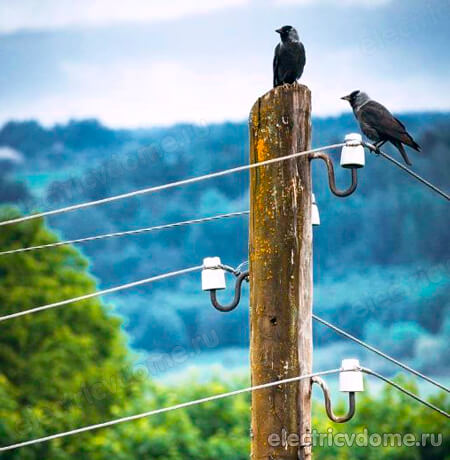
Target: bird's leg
379	144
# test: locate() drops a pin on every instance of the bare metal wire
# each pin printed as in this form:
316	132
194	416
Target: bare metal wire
405	391
379	352
101	293
170	185
168	409
407	170
374	350
125	233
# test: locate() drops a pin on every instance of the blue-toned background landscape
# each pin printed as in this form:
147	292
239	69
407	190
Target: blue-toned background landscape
103	97
381	257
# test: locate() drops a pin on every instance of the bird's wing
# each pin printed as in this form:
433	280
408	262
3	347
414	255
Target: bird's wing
378	117
275	66
369	130
408	139
401	124
302	55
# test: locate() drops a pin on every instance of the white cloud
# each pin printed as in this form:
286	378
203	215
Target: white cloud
140	93
340	72
359	3
50	14
144	93
10	154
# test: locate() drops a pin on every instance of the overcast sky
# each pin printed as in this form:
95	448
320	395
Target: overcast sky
148	62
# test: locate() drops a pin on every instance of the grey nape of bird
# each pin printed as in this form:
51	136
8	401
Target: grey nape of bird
289	60
379	125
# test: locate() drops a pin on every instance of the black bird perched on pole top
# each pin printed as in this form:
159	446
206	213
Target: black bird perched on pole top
379	125
289	60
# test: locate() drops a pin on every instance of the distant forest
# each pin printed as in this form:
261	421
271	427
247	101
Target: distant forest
381	256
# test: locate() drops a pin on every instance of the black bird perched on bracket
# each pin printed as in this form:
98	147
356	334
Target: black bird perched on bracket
289	60
379	125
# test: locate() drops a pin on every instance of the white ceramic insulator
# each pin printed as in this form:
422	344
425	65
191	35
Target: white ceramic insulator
315	216
351	380
353	155
212	278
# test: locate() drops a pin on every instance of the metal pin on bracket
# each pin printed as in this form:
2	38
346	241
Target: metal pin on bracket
352	157
213	280
351	382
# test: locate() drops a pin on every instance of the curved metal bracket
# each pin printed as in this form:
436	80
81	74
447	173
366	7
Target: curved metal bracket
330	413
237	294
331	176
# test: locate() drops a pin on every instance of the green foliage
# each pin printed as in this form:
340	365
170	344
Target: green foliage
221	429
69	367
390	412
57	368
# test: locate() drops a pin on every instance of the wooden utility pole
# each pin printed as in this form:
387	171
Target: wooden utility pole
281	273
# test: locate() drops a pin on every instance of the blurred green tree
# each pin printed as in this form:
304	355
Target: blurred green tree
62	368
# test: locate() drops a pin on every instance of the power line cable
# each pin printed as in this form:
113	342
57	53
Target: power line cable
101	293
215	398
405	391
168	409
380	353
409	171
211	176
167	186
241	266
370	347
126	233
367	346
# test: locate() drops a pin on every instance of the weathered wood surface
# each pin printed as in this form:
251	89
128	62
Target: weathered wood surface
280	269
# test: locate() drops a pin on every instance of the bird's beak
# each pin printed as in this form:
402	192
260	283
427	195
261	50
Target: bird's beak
278	31
346	98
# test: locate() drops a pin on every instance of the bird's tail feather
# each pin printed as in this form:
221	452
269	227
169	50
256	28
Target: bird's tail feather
401	149
415	145
412	143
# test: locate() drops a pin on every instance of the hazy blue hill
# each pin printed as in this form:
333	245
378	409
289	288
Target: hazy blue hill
381	256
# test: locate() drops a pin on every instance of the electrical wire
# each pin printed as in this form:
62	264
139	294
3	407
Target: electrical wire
126	233
369	347
405	391
214	175
380	353
168	409
215	398
101	293
364	344
409	171
240	267
170	185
